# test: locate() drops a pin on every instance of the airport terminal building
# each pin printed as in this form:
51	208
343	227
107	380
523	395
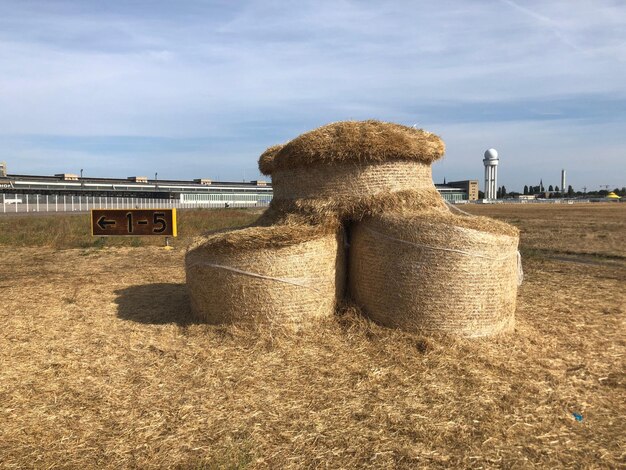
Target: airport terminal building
187	193
86	192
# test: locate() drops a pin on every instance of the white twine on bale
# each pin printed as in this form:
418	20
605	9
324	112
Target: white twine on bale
520	269
520	272
290	281
440	248
452	206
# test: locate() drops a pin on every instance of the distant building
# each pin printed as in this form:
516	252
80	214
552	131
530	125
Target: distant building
199	191
469	186
454	191
451	194
3	169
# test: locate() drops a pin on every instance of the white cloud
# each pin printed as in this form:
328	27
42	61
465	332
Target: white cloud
259	70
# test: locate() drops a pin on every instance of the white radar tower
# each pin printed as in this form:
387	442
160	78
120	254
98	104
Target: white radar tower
491	174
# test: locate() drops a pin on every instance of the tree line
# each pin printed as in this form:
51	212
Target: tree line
553	192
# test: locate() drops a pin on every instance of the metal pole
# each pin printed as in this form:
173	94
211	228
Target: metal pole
47	207
72	203
495	181
80	203
56	203
4	204
486	179
16	202
64	204
37	202
26	202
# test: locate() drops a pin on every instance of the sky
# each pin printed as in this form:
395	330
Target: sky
199	89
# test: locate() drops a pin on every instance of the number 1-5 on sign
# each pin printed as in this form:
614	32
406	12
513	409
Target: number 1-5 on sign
133	222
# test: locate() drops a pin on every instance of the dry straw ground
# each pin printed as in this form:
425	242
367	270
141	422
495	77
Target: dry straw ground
101	366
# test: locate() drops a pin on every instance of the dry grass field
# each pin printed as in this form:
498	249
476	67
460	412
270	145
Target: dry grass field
102	366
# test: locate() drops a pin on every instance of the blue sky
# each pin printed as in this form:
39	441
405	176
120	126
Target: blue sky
194	89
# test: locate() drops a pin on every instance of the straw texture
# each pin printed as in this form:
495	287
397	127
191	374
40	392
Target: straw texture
354	141
281	276
356	207
351	180
352	169
442	273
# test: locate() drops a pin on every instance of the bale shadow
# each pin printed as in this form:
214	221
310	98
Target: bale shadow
155	304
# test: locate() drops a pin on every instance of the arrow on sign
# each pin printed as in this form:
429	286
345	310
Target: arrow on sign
102	223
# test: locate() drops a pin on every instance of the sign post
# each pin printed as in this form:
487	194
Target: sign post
133	222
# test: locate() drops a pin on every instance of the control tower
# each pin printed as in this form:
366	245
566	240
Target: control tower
491	174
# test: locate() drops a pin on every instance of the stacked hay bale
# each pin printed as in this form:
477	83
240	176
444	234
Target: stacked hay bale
351	169
412	264
285	275
436	272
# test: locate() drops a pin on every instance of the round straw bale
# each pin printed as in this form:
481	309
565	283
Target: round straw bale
437	272
280	275
346	166
354	142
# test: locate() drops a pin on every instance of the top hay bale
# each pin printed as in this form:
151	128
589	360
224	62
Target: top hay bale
348	167
353	142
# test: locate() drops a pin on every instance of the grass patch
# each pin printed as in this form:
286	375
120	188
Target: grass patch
62	231
548	253
103	366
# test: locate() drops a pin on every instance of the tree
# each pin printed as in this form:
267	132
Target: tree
570	191
550	188
556	188
525	190
498	193
481	195
503	191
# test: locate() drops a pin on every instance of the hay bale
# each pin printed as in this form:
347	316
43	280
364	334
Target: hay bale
286	275
354	142
340	166
443	273
356	208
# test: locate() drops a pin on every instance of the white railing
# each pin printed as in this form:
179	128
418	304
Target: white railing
24	203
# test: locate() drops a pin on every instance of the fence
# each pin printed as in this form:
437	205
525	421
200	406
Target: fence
23	203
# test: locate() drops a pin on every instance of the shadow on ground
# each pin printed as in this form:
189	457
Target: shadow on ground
155	304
